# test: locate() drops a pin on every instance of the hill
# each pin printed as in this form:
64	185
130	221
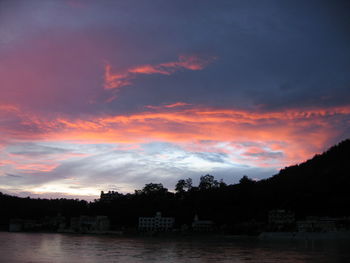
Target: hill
320	185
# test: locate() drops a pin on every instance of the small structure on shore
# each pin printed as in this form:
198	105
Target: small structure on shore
156	223
280	220
89	224
323	224
16	225
202	225
51	224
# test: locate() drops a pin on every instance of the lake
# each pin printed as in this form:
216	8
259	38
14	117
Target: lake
38	247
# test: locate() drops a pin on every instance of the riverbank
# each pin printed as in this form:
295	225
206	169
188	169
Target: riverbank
264	236
305	235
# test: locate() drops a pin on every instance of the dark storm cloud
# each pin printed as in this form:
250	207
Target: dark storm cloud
270	54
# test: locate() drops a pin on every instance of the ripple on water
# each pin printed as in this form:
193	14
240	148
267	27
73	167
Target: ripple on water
57	248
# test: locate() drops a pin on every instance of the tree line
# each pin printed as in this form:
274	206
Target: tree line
319	186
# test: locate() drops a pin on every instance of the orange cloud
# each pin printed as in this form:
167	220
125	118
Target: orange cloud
174	105
114	81
36	167
8	108
289	136
177	104
296	134
124	78
6	162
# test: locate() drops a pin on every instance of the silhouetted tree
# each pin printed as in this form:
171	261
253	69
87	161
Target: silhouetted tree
183	185
152	188
246	180
207	182
222	184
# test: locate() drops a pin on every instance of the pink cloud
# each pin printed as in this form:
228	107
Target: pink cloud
6	162
177	104
173	105
287	136
124	78
8	108
36	167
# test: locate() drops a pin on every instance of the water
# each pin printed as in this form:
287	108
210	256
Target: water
51	248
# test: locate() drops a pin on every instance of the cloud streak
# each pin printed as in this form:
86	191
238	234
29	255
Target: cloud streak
291	129
124	78
164	143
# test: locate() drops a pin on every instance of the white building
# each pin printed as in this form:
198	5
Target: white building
317	224
156	223
202	225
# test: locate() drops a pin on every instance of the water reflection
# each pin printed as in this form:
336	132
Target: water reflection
35	247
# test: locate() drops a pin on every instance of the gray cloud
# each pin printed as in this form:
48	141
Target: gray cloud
33	149
13	175
212	157
266	154
125	171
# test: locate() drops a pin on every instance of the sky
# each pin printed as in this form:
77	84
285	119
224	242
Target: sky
111	95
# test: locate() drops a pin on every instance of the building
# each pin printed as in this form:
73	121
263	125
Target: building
281	220
156	223
86	224
202	225
319	224
102	223
16	225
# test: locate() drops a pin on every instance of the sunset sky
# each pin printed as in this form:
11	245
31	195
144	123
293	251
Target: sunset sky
111	95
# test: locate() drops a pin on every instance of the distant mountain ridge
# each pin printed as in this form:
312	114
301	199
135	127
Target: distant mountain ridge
335	161
321	183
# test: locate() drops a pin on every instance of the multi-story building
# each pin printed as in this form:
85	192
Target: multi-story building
202	225
156	223
318	224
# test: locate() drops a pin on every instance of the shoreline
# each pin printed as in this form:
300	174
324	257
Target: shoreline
332	235
264	236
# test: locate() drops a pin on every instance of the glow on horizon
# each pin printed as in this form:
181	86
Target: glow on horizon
226	139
